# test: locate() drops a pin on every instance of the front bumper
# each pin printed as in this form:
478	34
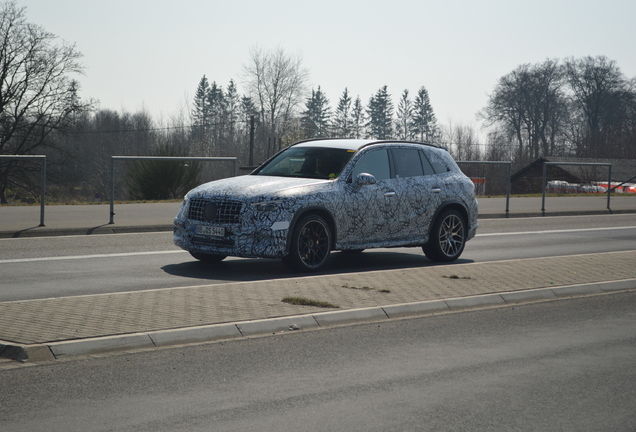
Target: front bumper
264	240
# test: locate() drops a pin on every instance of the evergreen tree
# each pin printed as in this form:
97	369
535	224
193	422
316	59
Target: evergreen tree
315	118
216	103
201	108
424	122
231	114
404	121
357	119
343	118
380	115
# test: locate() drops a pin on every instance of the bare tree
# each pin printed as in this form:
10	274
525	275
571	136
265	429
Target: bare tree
37	96
277	82
602	96
529	103
463	141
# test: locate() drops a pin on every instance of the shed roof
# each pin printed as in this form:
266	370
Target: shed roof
623	170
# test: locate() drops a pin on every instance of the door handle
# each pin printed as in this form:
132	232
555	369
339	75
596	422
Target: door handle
436	190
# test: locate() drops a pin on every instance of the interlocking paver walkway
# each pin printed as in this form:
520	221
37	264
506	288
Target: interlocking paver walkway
68	318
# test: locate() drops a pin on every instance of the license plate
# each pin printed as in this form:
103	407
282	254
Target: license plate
210	230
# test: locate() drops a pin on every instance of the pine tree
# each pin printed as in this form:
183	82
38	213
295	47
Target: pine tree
231	114
201	110
380	115
424	121
315	118
343	121
358	119
404	121
216	103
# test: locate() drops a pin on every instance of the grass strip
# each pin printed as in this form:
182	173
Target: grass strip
301	301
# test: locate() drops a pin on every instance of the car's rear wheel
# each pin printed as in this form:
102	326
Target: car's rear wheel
208	258
310	244
448	237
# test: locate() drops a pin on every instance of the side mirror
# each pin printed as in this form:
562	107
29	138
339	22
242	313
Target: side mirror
364	179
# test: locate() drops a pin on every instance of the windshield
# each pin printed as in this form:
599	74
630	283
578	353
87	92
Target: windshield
310	162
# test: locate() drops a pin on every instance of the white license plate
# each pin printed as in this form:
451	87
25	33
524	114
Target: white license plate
210	230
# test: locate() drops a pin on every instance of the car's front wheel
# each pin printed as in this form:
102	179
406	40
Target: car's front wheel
208	258
310	244
448	237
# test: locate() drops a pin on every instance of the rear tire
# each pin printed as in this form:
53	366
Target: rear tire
448	237
310	245
208	258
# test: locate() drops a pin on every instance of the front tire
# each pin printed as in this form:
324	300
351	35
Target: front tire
448	237
310	245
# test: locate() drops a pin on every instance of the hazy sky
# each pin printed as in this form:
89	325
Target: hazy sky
151	54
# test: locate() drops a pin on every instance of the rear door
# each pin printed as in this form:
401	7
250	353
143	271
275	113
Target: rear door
418	193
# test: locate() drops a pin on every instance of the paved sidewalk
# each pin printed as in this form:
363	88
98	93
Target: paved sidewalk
46	329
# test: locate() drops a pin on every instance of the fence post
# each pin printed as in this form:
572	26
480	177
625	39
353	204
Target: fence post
609	188
42	191
543	189
42	179
112	190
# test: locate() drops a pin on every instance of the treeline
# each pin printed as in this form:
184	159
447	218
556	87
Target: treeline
579	107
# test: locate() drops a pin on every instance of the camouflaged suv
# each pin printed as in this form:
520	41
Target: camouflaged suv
322	195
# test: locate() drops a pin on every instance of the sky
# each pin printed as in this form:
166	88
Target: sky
151	54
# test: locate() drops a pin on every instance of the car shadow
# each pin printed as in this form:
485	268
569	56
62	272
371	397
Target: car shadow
257	269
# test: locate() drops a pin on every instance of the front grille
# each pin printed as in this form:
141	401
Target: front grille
227	212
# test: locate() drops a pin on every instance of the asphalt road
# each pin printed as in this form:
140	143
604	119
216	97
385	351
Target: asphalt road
43	267
556	366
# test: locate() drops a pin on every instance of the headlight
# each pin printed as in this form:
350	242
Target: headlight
268	206
184	205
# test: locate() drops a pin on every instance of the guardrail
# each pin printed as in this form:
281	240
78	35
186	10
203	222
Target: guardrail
42	179
509	174
163	158
544	183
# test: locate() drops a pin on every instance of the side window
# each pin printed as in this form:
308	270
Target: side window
407	162
428	168
375	163
436	163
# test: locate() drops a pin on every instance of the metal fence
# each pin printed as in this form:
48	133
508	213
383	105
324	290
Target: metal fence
508	176
544	182
162	158
42	178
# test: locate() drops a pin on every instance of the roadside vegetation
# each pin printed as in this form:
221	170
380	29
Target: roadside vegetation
575	107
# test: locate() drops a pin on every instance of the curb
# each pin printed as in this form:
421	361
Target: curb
102	229
216	332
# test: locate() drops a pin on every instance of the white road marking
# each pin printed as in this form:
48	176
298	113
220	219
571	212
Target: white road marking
557	231
120	255
78	257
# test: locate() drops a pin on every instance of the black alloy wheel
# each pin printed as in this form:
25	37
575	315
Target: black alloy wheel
310	245
448	237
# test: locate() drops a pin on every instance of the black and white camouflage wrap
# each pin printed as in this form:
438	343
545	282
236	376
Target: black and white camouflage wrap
393	212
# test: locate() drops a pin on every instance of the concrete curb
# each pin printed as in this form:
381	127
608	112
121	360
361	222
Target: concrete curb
102	229
216	332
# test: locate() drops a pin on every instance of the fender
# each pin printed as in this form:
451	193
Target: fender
315	209
454	204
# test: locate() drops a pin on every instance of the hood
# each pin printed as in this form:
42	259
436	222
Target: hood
251	186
